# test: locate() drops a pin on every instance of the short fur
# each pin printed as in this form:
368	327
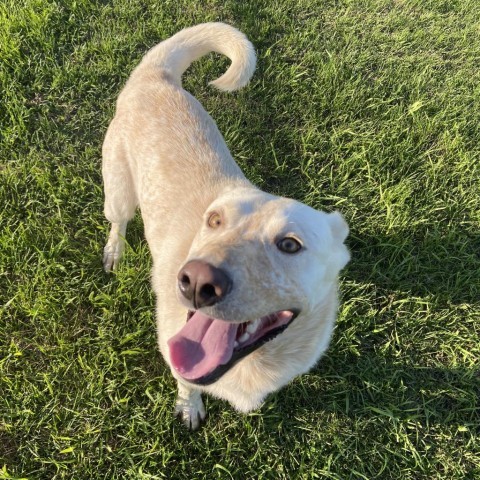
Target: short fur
164	154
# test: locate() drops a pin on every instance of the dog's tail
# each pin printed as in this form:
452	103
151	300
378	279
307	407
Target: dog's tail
175	54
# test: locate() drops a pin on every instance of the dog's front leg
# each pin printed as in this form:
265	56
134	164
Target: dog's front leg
189	406
112	253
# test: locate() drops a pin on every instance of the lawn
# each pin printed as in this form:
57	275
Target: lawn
371	107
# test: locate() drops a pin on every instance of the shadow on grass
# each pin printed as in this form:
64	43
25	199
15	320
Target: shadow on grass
368	386
445	266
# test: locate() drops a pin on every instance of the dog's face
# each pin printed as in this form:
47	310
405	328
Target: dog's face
257	262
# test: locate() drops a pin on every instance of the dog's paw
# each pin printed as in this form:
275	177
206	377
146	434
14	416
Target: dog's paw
190	410
111	257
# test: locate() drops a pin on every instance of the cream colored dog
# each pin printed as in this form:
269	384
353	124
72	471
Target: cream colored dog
246	282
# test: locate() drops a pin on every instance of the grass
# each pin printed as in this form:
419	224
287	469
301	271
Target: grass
371	107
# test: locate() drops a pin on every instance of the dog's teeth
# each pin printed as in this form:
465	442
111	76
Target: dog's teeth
235	345
244	337
252	326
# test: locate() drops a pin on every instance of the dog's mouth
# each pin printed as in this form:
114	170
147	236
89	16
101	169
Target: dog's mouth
206	348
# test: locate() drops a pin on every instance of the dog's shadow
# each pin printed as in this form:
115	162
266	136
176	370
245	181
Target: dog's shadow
354	387
442	266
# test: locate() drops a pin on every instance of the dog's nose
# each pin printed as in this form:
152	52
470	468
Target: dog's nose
202	283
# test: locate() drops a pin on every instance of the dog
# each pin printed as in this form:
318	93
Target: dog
245	282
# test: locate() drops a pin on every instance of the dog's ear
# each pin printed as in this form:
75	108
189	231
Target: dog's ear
339	231
338	225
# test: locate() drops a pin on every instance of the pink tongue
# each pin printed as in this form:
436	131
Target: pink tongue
201	346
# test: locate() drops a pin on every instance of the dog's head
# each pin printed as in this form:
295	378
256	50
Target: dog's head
257	262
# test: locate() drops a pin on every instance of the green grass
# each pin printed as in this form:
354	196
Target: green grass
371	107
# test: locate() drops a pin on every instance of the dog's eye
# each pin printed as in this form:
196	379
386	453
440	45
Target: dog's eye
289	245
214	220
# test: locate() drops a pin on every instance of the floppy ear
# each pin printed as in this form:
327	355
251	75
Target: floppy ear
338	225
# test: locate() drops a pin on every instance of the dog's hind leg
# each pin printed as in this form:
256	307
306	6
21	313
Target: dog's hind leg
120	204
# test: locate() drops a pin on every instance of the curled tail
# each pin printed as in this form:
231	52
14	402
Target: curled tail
175	54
